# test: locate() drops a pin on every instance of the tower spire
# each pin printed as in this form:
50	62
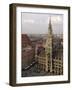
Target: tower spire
48	48
50	26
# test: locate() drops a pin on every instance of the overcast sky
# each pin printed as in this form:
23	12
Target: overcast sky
33	23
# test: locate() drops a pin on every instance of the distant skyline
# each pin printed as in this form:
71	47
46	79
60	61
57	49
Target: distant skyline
33	23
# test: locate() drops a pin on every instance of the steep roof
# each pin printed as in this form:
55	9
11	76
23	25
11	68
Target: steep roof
25	40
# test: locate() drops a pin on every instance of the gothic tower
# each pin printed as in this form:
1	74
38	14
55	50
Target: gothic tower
48	48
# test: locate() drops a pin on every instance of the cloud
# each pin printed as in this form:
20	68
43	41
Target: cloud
38	23
28	21
56	19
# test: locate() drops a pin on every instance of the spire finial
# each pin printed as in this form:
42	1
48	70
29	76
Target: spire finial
50	19
50	26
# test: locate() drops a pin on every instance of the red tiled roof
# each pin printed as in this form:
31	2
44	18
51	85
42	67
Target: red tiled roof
25	40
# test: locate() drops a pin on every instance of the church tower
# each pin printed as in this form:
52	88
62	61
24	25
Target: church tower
48	48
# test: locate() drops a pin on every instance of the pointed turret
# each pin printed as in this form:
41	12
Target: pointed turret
50	27
48	48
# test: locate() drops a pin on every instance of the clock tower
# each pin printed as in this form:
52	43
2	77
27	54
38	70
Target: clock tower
48	48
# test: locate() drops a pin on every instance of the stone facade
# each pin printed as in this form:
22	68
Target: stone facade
50	58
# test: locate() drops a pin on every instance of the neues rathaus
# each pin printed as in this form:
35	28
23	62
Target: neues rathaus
50	56
44	55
